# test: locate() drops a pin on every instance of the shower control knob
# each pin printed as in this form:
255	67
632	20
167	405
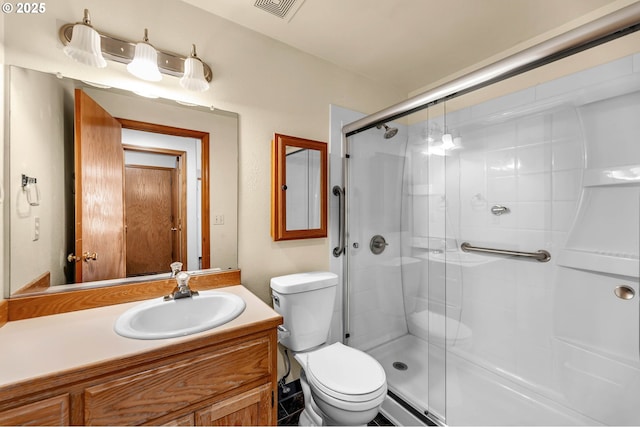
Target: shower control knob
377	244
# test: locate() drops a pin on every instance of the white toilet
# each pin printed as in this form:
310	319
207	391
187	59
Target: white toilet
341	385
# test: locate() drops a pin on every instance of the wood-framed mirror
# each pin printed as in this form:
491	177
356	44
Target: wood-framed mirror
298	188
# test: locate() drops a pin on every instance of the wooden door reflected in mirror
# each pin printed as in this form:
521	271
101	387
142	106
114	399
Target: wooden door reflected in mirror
298	188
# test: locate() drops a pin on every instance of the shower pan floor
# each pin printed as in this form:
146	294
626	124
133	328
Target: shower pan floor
472	396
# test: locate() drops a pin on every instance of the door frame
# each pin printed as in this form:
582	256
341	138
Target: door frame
182	226
204	179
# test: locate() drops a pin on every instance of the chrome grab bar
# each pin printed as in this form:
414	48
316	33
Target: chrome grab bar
340	249
541	255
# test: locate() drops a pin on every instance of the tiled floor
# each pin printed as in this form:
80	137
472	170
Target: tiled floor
380	420
291	404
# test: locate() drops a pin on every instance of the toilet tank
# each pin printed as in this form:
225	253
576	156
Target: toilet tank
306	302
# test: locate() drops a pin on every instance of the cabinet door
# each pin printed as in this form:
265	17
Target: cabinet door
251	408
48	412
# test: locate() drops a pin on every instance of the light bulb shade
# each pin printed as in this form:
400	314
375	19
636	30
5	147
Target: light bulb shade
193	78
84	46
145	63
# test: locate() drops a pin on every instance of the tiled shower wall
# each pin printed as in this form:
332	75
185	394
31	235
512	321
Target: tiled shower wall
532	166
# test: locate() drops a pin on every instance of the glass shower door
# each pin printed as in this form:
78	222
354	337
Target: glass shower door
396	296
424	223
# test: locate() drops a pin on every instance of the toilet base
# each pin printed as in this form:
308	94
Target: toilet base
309	418
312	415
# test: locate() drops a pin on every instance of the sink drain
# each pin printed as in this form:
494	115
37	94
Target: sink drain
400	366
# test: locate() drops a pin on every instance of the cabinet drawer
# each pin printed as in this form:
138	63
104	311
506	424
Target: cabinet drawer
48	412
142	397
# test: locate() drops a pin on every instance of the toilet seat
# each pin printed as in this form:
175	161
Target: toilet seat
345	374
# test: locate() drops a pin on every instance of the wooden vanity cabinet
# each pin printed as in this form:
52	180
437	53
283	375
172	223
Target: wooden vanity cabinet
205	382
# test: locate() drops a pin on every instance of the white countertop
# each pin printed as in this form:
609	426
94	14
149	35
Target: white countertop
47	345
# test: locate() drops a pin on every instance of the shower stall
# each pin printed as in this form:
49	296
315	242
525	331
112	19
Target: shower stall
490	259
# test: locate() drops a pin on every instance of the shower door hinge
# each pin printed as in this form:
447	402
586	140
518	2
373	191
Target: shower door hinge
348	156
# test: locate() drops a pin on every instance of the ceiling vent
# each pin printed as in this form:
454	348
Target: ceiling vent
279	8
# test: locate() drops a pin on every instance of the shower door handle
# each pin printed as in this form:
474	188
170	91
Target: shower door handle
340	249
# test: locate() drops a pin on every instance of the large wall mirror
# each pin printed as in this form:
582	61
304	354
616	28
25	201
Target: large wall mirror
299	188
159	173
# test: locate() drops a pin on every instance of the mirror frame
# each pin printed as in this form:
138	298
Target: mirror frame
278	188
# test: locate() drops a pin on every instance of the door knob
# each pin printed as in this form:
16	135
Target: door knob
86	257
73	258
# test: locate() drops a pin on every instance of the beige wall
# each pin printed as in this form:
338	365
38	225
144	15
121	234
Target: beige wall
273	88
37	126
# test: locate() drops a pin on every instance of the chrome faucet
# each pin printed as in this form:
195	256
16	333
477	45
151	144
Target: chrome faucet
176	267
182	289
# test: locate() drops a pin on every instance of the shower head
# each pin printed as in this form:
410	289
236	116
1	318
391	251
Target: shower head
388	132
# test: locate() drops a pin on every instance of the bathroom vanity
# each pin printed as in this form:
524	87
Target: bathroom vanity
73	369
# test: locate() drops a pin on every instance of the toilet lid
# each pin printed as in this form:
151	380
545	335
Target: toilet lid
345	371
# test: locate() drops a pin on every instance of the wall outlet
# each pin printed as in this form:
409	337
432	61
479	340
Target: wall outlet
218	219
36	228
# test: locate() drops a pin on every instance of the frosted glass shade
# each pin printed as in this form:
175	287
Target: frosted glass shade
145	63
84	46
193	78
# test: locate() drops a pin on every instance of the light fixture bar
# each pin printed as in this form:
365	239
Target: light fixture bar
122	51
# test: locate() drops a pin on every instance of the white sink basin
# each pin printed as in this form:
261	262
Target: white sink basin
157	318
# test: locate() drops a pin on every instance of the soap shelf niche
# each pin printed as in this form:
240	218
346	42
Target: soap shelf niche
600	262
619	175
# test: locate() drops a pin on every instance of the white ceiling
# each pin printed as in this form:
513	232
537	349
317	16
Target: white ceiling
404	43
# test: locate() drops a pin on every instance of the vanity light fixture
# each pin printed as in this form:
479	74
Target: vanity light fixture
193	78
84	43
195	73
145	61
